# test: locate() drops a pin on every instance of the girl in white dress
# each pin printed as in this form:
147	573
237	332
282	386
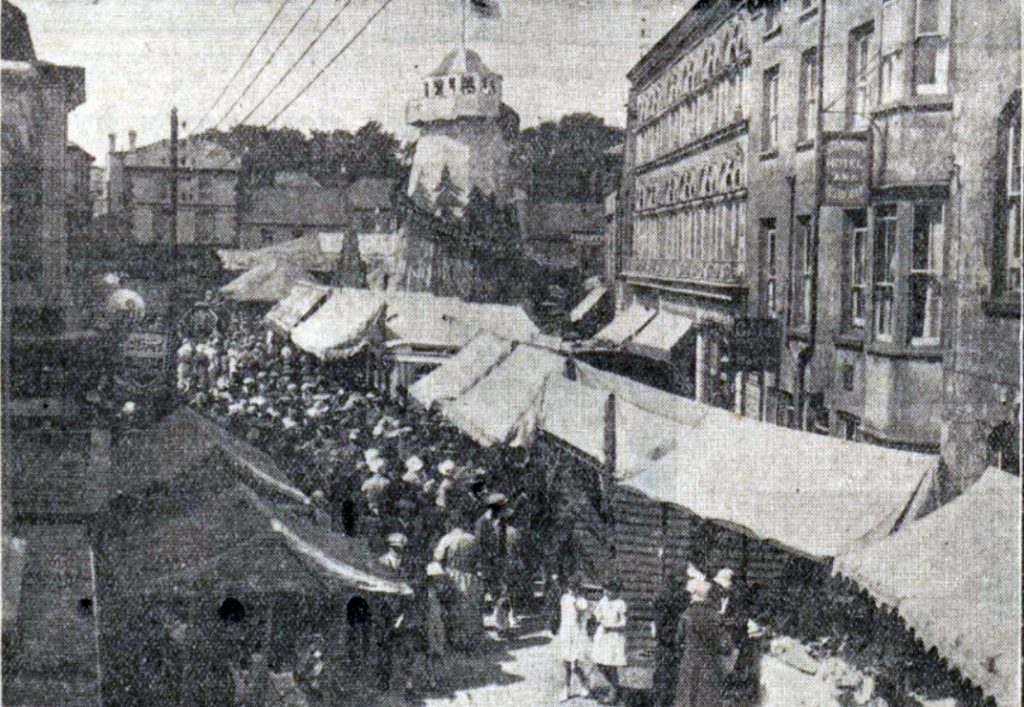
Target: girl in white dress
571	640
609	653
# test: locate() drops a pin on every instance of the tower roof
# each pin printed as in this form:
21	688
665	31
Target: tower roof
462	61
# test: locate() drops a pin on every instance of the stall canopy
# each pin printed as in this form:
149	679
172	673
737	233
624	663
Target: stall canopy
575	414
587	304
299	303
306	252
459	373
509	321
424	320
657	339
342	325
625	324
268	282
504	405
954	578
816	495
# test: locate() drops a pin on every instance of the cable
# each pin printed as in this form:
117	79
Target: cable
331	62
296	62
252	50
266	63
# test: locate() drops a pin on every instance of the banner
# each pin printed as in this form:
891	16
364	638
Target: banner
755	344
150	347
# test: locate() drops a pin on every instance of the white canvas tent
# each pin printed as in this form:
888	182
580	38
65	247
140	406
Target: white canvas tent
459	373
342	324
954	577
267	282
300	302
816	495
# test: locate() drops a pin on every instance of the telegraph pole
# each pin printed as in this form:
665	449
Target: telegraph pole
172	303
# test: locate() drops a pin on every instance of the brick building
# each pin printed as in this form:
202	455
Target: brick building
875	217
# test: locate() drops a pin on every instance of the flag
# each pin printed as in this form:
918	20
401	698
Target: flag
485	8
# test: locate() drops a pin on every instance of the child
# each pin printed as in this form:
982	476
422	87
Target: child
609	653
572	635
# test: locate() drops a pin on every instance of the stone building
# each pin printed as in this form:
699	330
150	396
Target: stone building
281	213
465	128
682	205
140	197
860	189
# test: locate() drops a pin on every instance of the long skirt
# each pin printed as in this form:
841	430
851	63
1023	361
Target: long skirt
466	618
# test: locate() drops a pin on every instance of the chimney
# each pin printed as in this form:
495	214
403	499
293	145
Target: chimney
132	135
112	141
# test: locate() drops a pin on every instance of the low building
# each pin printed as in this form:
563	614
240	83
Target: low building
281	213
372	203
566	236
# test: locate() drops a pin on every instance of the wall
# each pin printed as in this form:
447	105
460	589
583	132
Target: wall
475	151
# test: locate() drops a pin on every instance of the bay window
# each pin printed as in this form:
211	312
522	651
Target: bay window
885	271
1008	242
859	77
925	306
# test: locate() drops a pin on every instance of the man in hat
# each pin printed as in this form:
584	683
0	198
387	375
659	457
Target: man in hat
394	557
457	552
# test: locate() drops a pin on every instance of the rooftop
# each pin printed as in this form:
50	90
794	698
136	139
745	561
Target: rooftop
462	61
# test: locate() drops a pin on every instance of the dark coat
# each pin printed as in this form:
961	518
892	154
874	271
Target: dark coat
701	682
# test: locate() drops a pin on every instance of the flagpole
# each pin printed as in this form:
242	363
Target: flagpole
463	45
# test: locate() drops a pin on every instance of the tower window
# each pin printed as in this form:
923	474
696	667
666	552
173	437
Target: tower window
439	87
468	85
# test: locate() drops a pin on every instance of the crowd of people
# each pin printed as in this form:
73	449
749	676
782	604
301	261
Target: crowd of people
435	509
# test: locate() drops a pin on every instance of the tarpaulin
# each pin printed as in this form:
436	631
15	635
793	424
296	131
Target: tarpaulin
267	282
341	325
814	494
300	302
625	324
575	414
460	372
954	577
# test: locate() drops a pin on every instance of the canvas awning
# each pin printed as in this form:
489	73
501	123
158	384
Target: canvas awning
625	324
954	577
587	304
816	495
300	302
424	320
507	320
460	372
505	403
268	282
342	324
657	339
575	414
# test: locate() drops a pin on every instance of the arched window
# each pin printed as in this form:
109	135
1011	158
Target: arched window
231	611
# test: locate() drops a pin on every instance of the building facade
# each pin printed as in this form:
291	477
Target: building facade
876	213
281	213
682	205
139	193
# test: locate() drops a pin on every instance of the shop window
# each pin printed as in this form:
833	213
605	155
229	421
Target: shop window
803	259
859	77
808	95
769	241
925	308
885	271
849	427
770	126
931	47
856	256
892	40
1008	222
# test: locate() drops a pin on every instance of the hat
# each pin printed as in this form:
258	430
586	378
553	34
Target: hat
693	573
129	408
397	540
724	578
414	464
698	588
434	569
446	467
371	453
375	464
353	435
411	477
496	499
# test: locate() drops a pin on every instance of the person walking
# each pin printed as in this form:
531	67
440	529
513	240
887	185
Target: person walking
436	643
669	606
609	651
571	639
701	682
458	554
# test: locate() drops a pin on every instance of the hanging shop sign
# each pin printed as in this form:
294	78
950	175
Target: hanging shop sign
846	170
755	344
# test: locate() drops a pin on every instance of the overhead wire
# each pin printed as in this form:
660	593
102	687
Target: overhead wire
249	54
263	67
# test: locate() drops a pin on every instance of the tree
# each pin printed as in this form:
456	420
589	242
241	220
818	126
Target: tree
567	160
446	196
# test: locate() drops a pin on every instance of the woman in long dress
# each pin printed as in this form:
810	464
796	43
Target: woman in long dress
609	651
701	680
571	640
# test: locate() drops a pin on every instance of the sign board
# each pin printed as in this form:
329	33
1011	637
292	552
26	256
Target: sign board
755	344
846	169
140	345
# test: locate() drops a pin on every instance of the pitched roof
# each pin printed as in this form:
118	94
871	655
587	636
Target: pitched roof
16	43
459	61
299	205
194	153
370	193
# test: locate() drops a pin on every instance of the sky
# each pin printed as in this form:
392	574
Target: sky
142	57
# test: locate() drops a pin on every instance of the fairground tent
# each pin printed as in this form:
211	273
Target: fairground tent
267	282
342	324
625	324
504	405
816	495
299	303
954	578
306	252
459	373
